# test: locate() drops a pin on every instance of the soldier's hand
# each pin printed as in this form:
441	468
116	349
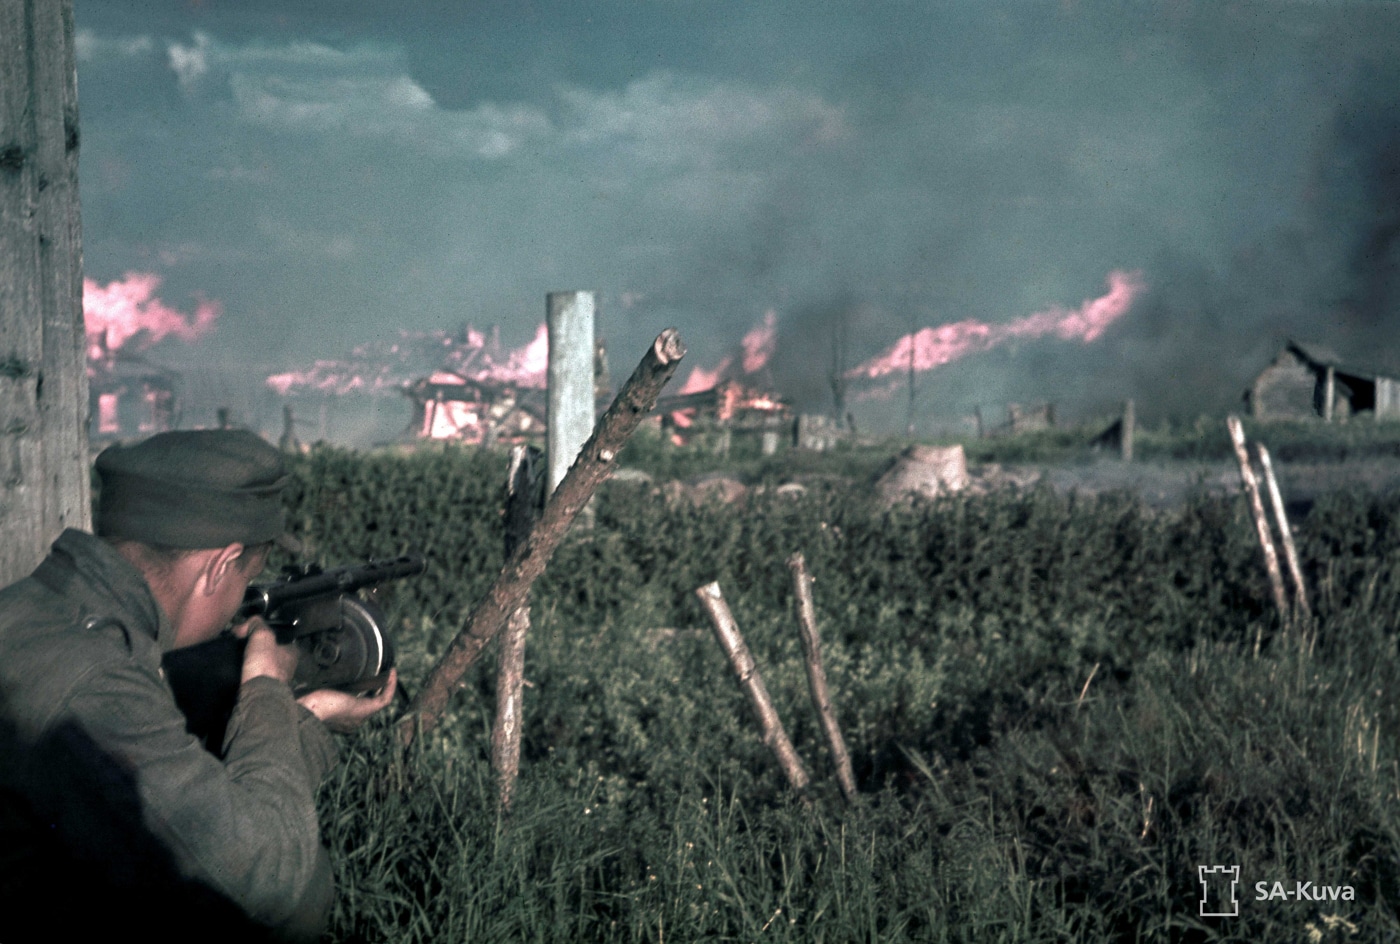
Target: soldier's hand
264	656
343	712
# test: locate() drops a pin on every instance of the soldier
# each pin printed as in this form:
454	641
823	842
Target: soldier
112	816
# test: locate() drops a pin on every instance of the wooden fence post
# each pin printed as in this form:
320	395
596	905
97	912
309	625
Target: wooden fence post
1290	550
523	488
1261	523
1128	429
732	641
816	675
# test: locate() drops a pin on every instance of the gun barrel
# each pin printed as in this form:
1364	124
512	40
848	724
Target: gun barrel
265	599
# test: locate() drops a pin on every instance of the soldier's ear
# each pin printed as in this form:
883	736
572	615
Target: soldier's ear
222	565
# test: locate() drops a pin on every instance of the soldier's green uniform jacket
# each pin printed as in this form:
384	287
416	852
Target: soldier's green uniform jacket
98	777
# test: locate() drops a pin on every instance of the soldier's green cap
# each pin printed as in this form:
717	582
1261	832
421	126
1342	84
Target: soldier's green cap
192	489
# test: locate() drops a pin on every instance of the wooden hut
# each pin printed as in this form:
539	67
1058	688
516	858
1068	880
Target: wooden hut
1311	381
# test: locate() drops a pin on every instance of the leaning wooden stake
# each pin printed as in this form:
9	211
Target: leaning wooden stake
1261	524
512	585
816	675
1290	550
727	632
505	728
523	488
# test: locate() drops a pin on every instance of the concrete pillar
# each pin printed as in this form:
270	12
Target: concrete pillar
570	414
1329	395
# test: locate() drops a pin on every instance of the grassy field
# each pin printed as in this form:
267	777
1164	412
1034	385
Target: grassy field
1054	705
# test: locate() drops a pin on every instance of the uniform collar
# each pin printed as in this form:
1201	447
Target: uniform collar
86	568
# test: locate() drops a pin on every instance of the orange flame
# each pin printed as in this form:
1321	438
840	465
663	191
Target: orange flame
701	379
760	342
380	367
525	367
128	308
758	346
932	347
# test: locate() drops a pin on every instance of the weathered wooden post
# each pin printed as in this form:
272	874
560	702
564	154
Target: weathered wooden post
569	415
732	642
43	377
1128	429
1290	550
1261	523
816	675
523	481
289	442
1329	395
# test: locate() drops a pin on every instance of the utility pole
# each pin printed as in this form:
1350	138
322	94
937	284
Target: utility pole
912	348
44	464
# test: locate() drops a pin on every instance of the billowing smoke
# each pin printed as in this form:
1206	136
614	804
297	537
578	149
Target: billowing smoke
1330	276
128	311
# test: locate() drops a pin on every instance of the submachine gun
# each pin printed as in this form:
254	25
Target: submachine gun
339	631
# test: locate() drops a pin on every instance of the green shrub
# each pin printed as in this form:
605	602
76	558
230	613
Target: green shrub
1052	703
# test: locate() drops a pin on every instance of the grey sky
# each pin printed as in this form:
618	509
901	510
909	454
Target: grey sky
333	172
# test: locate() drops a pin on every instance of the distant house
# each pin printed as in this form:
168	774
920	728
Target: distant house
129	396
1308	381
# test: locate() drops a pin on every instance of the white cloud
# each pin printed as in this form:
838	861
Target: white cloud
366	91
190	63
666	119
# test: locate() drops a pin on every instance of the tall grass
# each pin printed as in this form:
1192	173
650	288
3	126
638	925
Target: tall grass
1052	703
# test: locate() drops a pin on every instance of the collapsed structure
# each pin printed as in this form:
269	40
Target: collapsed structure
449	406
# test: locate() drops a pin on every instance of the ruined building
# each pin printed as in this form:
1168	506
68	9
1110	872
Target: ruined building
1309	381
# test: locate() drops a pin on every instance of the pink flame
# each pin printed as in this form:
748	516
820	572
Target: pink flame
129	307
928	348
758	346
760	342
525	367
381	367
701	379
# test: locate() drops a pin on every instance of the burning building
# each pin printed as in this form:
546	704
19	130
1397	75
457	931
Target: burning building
462	385
727	407
728	399
449	406
1309	381
128	396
